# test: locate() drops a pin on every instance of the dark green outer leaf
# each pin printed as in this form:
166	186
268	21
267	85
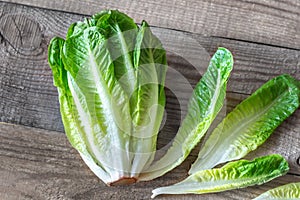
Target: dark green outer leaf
65	96
68	111
107	108
120	32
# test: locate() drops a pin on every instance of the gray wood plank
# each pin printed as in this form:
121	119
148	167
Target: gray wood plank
40	164
28	97
271	22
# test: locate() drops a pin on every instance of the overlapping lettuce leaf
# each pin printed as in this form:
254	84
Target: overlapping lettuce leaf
205	103
250	123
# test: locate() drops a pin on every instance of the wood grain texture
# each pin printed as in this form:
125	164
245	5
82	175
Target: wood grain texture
40	164
270	22
29	98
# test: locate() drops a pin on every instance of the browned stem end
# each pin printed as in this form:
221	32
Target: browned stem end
123	181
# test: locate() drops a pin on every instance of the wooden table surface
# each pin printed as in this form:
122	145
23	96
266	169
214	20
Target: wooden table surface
36	160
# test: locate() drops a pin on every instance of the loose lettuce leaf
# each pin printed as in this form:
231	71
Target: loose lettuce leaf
250	123
238	174
289	191
205	103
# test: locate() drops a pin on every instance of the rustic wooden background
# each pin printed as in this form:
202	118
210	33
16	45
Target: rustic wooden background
36	160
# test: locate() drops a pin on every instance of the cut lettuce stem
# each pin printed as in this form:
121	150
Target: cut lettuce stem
205	103
250	124
234	175
289	191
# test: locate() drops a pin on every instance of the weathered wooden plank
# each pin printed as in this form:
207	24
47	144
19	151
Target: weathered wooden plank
271	22
27	96
40	164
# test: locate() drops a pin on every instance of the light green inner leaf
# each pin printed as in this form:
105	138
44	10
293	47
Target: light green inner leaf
289	191
233	175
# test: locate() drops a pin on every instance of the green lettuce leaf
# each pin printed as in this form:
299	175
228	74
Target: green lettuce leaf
250	123
205	103
289	191
120	32
92	76
233	175
148	99
73	126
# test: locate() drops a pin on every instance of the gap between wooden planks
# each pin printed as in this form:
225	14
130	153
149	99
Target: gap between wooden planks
41	164
27	94
270	22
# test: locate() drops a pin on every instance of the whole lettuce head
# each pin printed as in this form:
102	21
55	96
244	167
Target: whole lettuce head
110	77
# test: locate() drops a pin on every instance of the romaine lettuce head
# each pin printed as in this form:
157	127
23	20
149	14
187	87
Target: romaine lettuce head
110	76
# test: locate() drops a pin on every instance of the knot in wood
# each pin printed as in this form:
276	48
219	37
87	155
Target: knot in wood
21	32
